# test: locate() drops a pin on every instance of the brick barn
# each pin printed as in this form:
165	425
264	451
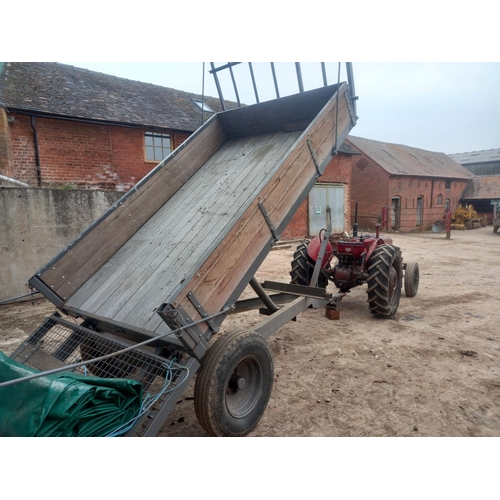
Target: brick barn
61	125
415	185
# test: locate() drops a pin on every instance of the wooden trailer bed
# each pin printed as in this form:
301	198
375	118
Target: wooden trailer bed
201	223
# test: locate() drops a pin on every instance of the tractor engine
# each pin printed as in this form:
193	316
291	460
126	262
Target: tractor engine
353	255
350	271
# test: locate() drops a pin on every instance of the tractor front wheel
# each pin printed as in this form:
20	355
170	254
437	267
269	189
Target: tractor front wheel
412	278
234	384
303	268
385	270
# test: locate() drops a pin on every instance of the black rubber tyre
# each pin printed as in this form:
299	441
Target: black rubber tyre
303	268
385	270
234	384
412	278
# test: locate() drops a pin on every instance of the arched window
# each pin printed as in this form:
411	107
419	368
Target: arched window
439	200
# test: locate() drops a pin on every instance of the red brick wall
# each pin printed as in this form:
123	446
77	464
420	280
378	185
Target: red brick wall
369	189
83	154
410	188
338	171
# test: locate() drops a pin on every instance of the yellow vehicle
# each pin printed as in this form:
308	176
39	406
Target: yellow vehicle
467	218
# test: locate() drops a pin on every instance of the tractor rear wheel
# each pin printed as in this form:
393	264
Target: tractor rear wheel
234	384
303	268
385	270
412	278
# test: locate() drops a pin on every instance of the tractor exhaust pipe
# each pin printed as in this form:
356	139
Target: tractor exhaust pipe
355	225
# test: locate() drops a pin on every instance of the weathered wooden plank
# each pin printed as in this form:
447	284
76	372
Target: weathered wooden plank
176	237
221	274
98	245
146	240
236	207
174	230
229	205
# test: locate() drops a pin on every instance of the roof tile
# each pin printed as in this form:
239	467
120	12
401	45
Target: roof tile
398	159
64	90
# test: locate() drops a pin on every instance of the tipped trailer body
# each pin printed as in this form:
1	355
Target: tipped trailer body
151	281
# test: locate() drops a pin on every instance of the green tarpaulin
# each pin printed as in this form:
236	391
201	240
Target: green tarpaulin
64	404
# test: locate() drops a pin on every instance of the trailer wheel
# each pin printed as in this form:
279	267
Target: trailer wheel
234	384
303	268
412	278
385	270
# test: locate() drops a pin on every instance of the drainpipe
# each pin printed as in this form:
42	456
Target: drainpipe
37	152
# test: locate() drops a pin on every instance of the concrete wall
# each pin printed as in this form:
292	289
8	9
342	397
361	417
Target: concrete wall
35	224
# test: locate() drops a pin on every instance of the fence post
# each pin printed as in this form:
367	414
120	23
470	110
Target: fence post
384	218
448	224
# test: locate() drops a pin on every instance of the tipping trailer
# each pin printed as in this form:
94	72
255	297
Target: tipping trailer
151	281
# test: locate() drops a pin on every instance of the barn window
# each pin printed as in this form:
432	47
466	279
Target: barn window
439	200
157	146
447	185
203	105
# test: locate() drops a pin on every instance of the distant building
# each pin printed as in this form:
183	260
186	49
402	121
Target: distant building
486	186
480	162
415	185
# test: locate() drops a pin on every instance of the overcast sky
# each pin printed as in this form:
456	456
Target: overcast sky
445	107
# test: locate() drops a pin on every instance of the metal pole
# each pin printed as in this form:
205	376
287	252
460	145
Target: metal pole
257	288
253	82
350	82
384	217
13	181
217	84
323	71
355	226
299	77
448	224
234	85
275	81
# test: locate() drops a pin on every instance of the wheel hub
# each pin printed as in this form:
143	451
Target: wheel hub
244	387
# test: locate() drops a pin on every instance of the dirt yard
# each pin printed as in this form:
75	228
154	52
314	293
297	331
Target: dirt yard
432	370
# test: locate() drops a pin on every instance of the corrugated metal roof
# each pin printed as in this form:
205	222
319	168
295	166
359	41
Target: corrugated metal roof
488	155
483	187
397	159
61	89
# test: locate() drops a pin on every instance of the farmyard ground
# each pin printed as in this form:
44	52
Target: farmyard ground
432	370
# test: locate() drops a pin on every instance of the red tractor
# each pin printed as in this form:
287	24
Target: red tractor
371	259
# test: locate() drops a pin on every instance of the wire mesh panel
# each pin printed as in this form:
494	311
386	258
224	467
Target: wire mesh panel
57	343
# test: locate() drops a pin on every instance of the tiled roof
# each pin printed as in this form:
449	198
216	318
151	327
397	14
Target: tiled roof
348	149
397	159
60	89
485	156
483	187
